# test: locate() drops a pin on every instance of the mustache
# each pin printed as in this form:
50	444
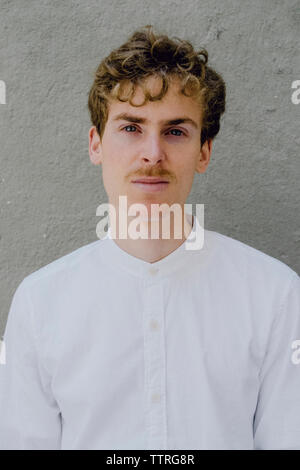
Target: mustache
158	172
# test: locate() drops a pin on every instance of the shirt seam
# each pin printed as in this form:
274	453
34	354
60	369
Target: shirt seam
277	317
34	334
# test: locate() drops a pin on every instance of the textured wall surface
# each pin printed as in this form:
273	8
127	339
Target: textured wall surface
49	188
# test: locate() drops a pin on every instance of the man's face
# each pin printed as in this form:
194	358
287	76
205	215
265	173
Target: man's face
131	149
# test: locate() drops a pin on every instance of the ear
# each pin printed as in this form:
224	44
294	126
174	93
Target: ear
95	146
204	156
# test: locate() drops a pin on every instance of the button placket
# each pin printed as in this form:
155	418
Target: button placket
154	366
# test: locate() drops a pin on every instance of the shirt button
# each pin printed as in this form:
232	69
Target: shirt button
154	325
153	270
155	398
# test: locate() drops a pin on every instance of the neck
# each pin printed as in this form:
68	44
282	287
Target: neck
159	237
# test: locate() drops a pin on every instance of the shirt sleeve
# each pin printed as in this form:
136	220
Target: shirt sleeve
276	424
29	415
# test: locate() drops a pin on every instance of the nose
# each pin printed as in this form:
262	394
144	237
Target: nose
153	151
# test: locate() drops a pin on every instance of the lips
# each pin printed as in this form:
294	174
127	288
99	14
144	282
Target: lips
150	180
150	185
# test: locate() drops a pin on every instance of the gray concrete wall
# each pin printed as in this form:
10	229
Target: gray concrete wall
49	188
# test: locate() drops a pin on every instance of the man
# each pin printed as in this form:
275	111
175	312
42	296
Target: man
143	343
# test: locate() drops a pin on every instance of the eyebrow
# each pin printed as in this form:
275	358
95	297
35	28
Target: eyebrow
140	120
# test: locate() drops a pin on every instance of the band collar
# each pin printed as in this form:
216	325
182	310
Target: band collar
183	256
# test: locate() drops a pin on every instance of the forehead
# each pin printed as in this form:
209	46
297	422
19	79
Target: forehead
174	103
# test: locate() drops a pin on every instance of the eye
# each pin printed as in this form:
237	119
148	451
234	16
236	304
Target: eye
128	126
177	130
172	130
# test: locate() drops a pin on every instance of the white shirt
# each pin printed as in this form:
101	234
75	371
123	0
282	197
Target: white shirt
195	351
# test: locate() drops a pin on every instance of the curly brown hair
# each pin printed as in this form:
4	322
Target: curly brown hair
145	54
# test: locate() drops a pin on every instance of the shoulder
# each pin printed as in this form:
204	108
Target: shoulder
65	267
249	261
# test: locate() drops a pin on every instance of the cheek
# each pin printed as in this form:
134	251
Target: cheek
114	170
186	171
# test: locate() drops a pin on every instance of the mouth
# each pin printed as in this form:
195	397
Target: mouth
150	180
151	184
